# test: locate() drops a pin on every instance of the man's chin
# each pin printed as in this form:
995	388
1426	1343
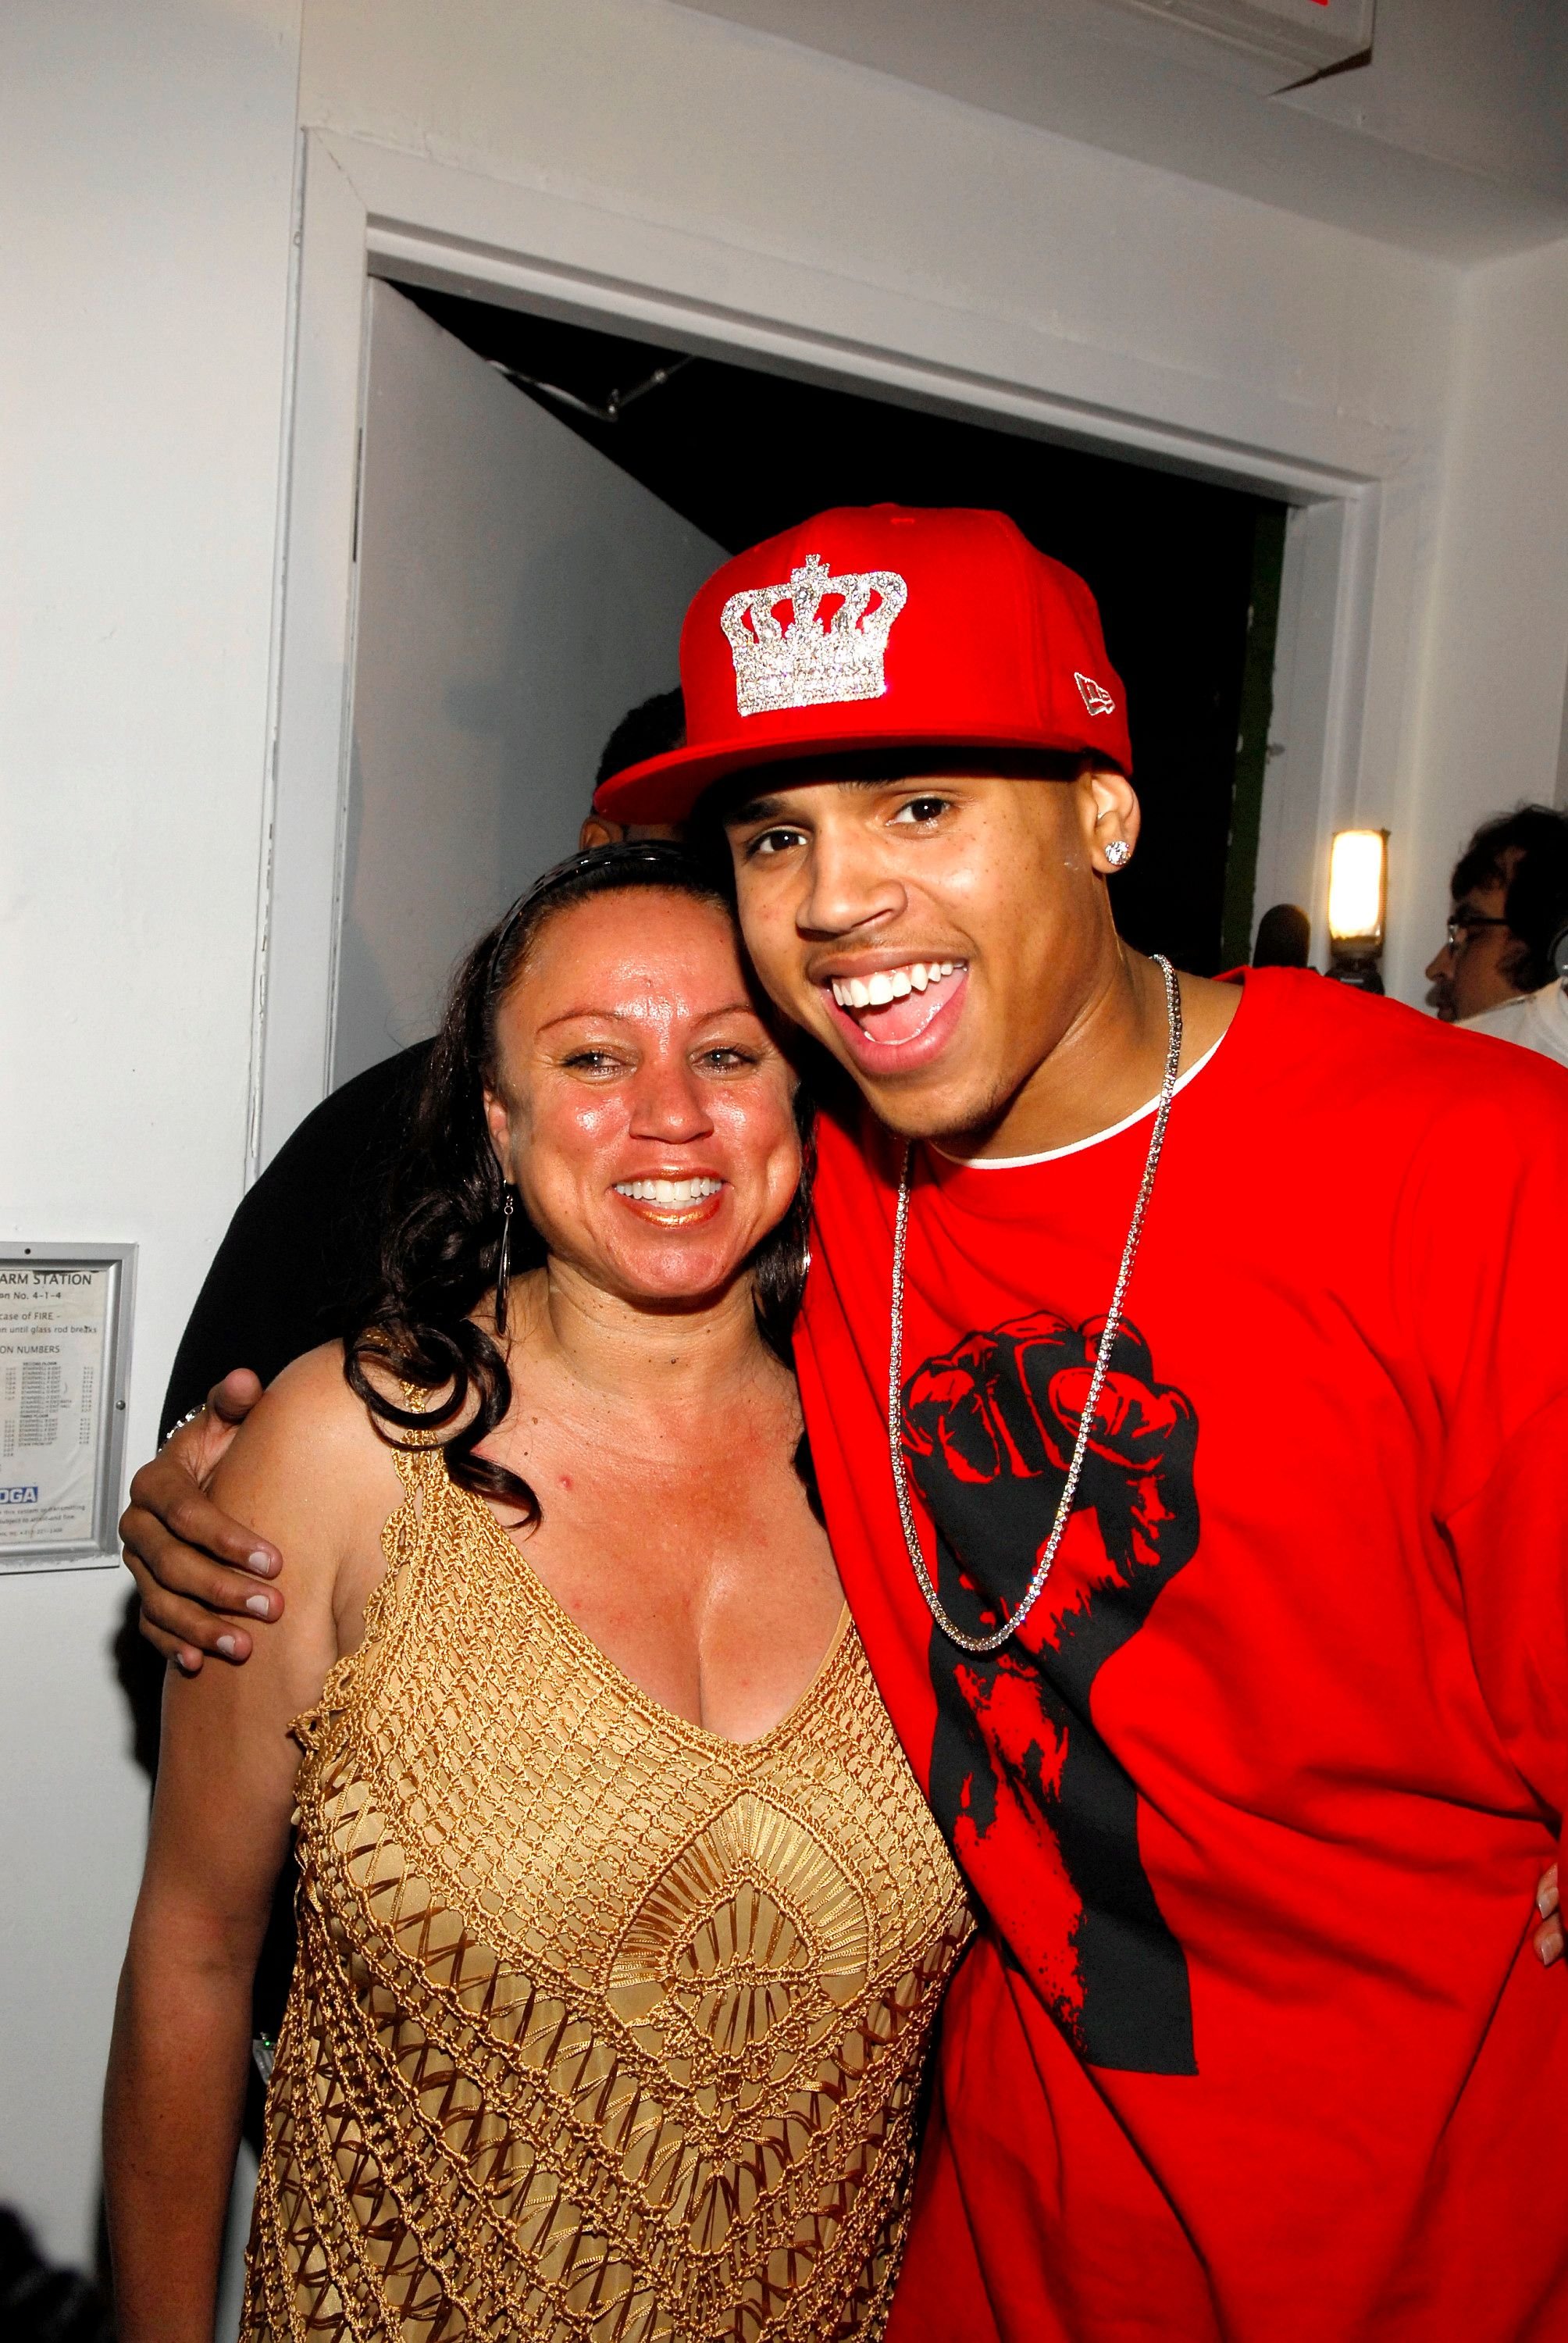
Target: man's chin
957	1113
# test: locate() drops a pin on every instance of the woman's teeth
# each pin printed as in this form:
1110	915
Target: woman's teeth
890	983
667	1191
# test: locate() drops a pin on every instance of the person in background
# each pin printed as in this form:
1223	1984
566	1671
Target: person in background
1537	909
1284	938
1510	898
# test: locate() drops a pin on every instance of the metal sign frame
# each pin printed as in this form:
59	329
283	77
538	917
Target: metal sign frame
102	1548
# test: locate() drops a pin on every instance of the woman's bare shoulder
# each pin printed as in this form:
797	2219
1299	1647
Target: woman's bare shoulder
308	1452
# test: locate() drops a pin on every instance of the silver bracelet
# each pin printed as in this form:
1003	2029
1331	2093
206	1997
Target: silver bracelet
189	1416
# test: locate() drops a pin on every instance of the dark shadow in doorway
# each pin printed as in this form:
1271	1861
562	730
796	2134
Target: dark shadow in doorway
1186	573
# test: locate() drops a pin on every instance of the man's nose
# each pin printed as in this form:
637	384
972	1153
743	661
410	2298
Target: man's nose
668	1103
848	887
1441	965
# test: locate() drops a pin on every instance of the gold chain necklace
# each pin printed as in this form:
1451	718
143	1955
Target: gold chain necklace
1112	1327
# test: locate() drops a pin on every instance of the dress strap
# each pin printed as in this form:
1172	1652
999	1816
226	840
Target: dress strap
417	1455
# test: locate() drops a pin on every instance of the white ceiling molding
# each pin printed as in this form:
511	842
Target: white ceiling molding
1310	36
1451	138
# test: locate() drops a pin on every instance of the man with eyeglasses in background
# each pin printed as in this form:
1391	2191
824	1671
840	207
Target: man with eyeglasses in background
1496	972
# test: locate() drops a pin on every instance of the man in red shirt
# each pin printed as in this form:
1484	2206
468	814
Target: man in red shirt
1183	1367
1251	1782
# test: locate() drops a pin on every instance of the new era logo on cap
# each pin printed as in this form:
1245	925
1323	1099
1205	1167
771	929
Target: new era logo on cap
870	629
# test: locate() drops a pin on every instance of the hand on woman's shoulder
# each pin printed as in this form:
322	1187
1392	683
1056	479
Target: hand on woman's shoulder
307	1468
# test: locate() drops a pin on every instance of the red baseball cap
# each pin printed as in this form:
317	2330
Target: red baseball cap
882	627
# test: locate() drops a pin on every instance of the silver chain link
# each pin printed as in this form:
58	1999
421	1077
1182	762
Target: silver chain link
1112	1327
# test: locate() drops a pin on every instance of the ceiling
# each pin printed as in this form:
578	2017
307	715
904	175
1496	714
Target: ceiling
1451	139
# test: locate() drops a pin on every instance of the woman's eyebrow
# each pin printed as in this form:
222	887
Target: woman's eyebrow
730	1008
577	1016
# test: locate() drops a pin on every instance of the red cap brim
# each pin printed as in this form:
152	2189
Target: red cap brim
667	789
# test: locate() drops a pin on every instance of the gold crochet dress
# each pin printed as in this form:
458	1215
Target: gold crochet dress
603	2029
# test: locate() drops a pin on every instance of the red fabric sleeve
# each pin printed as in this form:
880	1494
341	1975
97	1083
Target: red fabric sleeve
1510	1542
1489	1256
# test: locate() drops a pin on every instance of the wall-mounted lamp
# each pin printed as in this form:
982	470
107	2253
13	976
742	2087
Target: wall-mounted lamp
1358	901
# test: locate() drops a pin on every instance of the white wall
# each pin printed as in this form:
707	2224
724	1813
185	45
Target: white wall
1478	84
1491	705
829	196
146	266
1119	282
1450	140
148	249
518	591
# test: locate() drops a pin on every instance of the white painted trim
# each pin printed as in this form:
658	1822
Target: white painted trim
314	661
579	258
372	209
260	970
738	333
346	751
1320	687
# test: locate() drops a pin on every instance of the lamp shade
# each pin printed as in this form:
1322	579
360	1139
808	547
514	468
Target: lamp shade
1358	886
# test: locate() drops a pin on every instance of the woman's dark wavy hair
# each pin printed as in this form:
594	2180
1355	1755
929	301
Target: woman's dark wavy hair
442	1251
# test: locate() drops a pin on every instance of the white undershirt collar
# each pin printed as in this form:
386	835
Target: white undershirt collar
1095	1139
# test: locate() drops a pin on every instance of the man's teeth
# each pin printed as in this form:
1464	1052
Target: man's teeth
890	983
667	1191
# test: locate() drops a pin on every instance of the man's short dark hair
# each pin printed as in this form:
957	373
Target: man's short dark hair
1526	852
651	729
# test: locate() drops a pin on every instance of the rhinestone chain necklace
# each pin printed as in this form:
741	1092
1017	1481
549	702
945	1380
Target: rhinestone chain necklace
1010	1625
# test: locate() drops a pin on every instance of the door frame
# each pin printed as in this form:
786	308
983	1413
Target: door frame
368	211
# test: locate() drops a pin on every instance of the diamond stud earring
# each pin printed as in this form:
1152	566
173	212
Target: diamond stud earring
1118	852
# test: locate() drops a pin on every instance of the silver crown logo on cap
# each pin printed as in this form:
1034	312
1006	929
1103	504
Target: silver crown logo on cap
809	662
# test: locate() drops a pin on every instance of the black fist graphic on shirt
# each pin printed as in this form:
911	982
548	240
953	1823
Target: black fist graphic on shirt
1021	1781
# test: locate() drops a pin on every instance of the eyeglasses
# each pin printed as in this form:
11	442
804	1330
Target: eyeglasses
1461	928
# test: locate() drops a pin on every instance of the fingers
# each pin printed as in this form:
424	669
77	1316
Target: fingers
185	1656
179	1565
184	1626
192	1603
234	1398
1548	1937
1132	1423
165	1494
195	1567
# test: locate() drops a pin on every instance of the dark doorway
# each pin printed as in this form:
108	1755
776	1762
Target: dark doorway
1186	573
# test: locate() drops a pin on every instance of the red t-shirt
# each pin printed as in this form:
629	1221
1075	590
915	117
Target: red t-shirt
1252	2044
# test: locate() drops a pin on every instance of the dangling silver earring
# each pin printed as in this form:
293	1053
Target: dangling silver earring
504	1267
1118	852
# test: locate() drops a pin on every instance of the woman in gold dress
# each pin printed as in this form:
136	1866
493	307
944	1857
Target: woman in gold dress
622	1921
